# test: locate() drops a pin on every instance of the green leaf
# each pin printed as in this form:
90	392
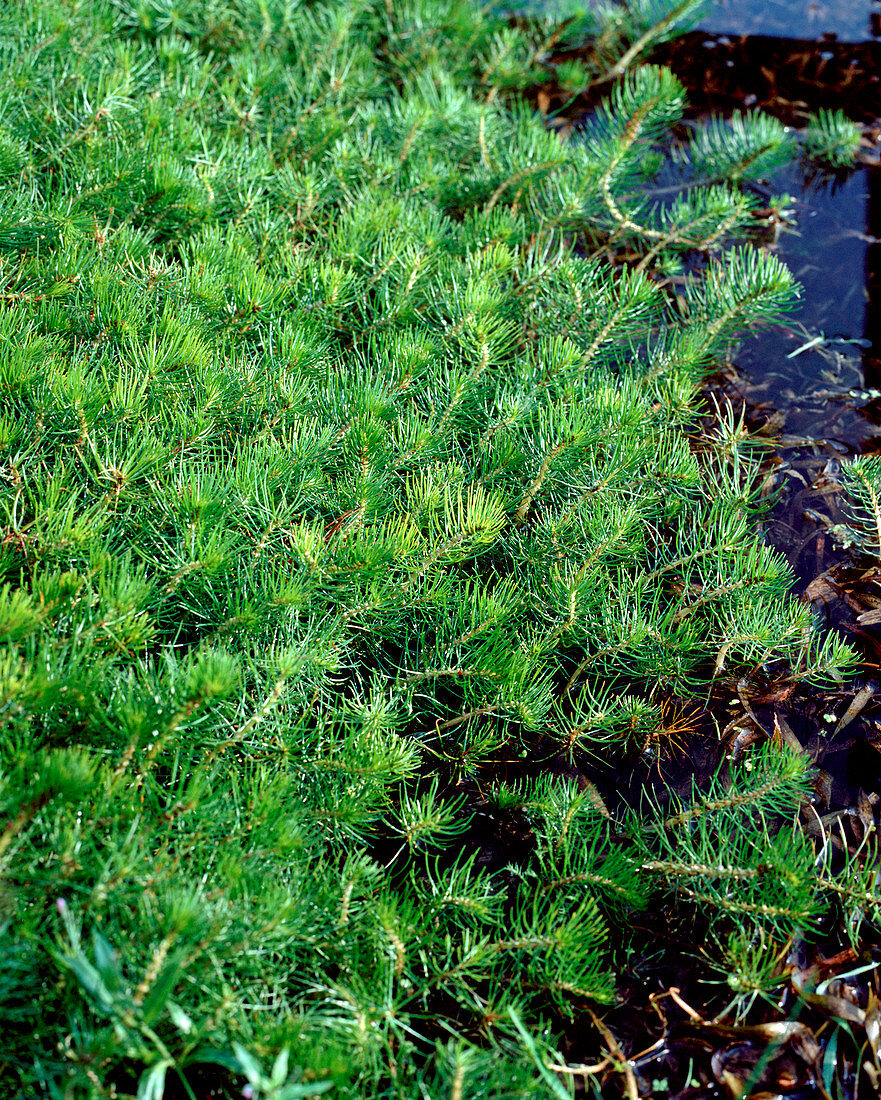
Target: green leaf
553	1083
180	1019
151	1083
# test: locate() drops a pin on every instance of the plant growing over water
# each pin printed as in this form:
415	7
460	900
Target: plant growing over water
833	138
861	481
342	473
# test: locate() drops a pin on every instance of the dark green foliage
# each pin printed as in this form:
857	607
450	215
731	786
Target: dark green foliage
336	475
722	852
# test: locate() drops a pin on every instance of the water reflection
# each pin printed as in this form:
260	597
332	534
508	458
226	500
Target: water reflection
834	249
823	391
849	20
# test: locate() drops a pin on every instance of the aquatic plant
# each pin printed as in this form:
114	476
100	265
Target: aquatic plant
832	138
861	481
350	477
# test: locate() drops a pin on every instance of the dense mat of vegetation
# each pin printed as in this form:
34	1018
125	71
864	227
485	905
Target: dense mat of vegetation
345	486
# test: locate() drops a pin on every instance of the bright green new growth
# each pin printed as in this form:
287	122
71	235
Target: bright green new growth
337	477
861	480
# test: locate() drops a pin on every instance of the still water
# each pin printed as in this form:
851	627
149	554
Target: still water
849	20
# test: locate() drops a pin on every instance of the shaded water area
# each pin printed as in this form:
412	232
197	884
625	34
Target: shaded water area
812	386
849	20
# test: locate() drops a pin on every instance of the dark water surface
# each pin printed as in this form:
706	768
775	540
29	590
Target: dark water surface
820	368
850	20
813	384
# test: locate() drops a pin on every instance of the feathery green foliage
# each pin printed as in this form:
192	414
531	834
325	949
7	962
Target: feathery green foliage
832	138
337	475
861	480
